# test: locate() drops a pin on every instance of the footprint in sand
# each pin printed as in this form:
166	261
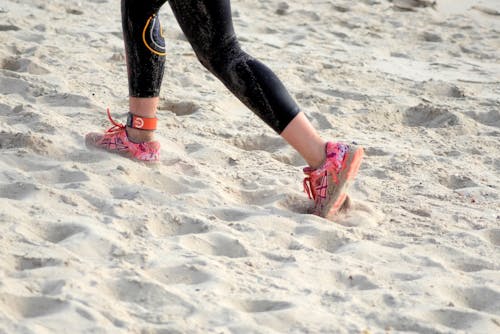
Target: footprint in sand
156	188
354	281
232	214
16	140
10	140
31	307
406	277
180	108
275	145
30	263
455	182
4	109
482	299
18	190
411	5
67	100
53	287
461	261
441	89
56	233
259	306
9	27
61	176
283	258
295	203
104	206
214	244
493	236
84	314
429	117
491	118
23	65
27	115
29	36
456	319
377	151
432	37
259	197
268	143
330	241
421	212
185	274
289	156
73	11
84	242
487	10
177	224
346	95
148	299
14	86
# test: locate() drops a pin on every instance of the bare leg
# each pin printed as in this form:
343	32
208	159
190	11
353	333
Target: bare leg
302	136
143	107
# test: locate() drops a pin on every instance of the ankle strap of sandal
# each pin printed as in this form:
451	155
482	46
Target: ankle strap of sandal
141	123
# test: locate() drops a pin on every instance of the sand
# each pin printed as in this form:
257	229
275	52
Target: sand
216	238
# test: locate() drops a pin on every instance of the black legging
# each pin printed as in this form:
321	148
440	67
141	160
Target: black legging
208	26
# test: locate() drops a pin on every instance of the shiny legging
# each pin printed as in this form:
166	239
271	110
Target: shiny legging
208	26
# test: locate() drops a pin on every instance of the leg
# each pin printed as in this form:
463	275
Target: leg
145	53
143	107
208	26
303	137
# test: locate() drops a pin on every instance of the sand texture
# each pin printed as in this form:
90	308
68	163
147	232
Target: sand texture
216	238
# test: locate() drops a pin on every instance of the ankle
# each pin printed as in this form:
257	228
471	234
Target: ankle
139	136
318	157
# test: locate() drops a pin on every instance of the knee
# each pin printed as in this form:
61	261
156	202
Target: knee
219	57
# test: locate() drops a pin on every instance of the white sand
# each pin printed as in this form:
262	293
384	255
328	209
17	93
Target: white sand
215	239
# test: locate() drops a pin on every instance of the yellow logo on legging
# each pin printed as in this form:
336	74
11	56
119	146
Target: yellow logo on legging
152	36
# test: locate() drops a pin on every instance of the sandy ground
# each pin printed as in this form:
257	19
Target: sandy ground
216	239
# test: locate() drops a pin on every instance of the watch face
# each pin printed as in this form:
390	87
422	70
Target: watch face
137	122
141	123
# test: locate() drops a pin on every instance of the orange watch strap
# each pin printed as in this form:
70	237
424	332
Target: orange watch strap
141	123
